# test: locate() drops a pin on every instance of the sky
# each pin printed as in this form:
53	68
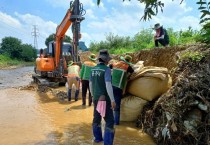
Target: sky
18	17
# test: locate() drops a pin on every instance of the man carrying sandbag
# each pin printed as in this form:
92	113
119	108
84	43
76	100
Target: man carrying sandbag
120	74
85	76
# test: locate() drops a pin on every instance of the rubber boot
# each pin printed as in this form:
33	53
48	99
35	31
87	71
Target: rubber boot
97	133
83	100
69	95
76	95
108	136
90	100
116	117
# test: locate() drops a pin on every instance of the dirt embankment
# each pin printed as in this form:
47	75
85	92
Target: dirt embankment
161	57
182	115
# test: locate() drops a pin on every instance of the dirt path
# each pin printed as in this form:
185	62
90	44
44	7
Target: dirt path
32	118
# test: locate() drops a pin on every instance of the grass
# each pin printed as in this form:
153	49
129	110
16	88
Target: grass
193	55
7	62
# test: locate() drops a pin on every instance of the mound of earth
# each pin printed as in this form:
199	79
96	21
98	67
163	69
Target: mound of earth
182	115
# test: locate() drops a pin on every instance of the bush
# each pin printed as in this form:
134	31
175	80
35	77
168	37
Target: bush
144	40
28	52
13	48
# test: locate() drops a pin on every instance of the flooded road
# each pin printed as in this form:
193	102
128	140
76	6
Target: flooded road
30	117
15	77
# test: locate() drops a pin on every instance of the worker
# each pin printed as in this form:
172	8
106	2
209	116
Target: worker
120	72
100	85
161	35
85	76
73	78
41	53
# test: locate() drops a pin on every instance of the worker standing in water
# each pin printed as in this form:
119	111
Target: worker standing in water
120	73
101	87
73	78
85	76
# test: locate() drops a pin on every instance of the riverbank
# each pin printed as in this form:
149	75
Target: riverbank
9	63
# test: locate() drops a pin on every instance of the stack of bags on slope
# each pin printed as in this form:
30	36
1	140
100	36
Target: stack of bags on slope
145	84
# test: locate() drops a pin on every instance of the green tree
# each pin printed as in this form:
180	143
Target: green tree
115	41
12	46
52	38
204	35
174	37
188	36
28	52
143	39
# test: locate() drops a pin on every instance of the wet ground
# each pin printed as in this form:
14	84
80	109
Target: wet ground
29	117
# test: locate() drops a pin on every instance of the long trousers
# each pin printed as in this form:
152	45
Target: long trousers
85	88
117	97
161	41
109	117
73	80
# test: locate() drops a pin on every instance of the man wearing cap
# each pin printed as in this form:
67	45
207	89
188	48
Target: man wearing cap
85	76
120	71
100	86
73	78
161	35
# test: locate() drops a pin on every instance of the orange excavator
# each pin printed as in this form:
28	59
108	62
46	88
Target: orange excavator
52	66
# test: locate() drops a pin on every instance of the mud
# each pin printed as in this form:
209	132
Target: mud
31	117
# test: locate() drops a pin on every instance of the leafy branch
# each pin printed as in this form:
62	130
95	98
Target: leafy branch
152	7
205	10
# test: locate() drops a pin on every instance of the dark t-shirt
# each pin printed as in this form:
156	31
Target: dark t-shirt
165	33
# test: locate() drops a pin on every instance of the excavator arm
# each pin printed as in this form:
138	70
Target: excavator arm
73	17
52	67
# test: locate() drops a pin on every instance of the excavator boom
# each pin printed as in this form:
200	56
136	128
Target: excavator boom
53	65
73	17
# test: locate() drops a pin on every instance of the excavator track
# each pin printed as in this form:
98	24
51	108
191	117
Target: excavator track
44	81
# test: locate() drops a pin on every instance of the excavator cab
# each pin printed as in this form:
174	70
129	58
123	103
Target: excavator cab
66	49
65	52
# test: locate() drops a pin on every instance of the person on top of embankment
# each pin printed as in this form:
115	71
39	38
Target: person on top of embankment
120	72
73	78
85	76
101	87
161	35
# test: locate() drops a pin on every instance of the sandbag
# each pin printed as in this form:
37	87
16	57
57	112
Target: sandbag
149	88
148	69
156	75
138	66
131	107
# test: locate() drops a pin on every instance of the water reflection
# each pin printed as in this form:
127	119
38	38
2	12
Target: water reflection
72	123
33	118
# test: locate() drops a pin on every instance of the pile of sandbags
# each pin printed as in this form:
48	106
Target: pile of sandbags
149	82
145	84
131	106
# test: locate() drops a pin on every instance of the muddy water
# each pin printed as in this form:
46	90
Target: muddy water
21	119
15	77
33	118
